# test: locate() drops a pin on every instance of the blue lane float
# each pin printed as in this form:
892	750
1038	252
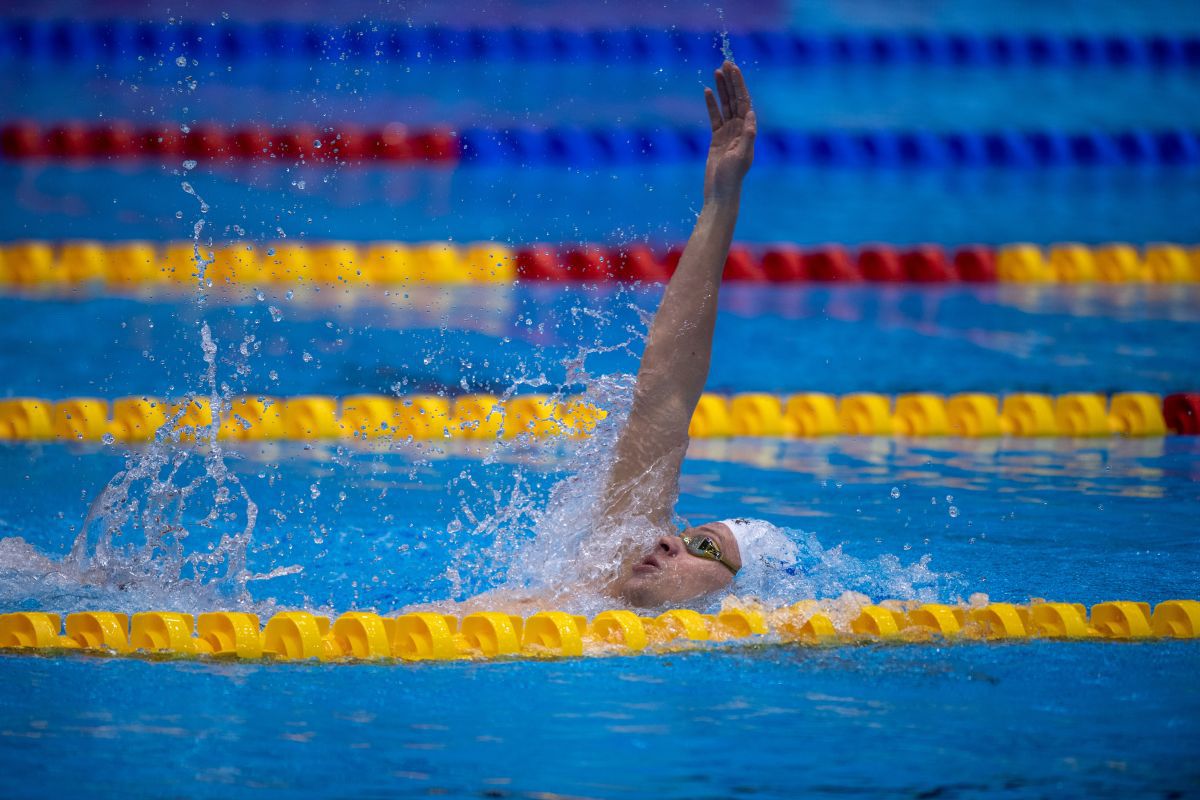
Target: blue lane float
586	148
82	41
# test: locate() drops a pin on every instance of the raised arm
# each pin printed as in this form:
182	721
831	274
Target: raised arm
644	481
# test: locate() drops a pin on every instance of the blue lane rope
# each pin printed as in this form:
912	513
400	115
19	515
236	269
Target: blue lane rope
117	40
585	147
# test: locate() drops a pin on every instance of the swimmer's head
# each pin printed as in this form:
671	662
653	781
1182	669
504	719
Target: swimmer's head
670	574
757	556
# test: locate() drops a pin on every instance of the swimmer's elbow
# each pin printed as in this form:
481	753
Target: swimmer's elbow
660	420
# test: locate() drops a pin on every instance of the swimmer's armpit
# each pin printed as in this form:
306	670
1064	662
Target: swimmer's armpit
675	364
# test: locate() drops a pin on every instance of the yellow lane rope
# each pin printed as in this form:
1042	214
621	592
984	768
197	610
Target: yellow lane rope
40	263
480	416
424	636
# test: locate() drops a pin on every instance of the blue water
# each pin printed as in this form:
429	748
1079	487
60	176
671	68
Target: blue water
543	95
475	339
1043	720
376	527
1085	520
657	204
1069	520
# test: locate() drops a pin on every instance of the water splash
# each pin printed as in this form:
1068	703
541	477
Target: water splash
174	527
132	551
538	542
726	48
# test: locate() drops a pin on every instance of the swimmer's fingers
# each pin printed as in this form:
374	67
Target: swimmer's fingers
727	74
749	132
714	113
723	91
741	95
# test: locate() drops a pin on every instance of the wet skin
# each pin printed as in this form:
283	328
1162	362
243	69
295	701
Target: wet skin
669	574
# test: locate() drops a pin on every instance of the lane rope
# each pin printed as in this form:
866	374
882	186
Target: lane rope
488	417
35	263
425	636
117	41
587	148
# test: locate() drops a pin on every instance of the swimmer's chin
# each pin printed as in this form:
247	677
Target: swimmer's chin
642	590
648	592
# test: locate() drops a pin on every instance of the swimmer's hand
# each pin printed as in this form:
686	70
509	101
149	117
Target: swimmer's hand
734	127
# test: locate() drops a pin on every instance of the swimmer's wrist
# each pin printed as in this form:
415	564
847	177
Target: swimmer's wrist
718	207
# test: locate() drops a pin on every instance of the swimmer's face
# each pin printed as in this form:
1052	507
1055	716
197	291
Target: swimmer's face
670	574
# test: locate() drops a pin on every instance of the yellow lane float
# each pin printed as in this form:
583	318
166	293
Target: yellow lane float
487	417
430	636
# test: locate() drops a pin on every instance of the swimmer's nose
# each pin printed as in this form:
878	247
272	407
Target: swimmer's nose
671	545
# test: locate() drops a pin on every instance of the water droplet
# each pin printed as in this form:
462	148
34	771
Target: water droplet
276	316
317	143
895	493
108	438
307	356
189	164
314	491
290	294
954	511
181	61
949	498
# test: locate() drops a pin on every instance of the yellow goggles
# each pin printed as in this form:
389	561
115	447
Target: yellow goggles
706	547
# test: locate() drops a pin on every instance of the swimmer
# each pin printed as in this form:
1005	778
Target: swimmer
643	484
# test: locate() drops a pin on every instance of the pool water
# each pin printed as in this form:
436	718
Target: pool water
381	526
372	527
1084	522
1032	720
458	340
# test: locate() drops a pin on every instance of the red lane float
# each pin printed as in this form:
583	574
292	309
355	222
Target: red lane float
880	264
742	267
638	263
975	264
784	264
589	263
926	264
73	140
539	264
831	264
1181	412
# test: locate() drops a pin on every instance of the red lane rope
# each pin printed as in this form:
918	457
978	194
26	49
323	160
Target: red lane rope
778	264
74	140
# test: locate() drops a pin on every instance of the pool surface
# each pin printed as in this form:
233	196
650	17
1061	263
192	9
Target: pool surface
379	526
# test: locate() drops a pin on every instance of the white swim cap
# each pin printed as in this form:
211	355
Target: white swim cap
766	552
